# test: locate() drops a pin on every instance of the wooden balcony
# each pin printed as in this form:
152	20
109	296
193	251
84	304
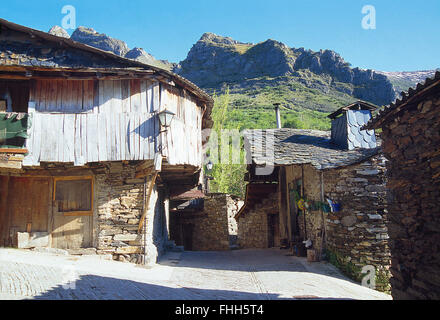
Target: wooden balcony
91	137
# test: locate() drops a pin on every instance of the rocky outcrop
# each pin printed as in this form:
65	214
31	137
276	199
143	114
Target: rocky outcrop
99	40
215	60
141	55
59	32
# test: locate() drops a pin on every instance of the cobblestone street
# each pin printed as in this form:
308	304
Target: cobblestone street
240	274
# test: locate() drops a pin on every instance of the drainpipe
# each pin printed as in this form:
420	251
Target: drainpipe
277	114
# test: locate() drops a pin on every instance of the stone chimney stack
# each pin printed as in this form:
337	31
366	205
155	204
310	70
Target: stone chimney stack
277	114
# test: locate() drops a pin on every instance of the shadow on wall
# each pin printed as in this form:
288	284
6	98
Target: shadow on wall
91	287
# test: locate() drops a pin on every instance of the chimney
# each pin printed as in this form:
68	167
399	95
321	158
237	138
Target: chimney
347	123
277	114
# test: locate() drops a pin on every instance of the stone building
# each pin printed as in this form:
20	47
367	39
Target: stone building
92	145
325	187
411	142
205	224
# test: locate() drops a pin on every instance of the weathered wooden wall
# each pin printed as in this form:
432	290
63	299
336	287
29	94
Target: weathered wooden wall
83	121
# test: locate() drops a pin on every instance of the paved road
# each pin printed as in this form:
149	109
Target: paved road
239	274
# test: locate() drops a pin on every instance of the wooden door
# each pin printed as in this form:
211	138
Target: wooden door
72	226
71	232
25	206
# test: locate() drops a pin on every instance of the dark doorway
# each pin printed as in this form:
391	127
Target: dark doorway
273	226
188	230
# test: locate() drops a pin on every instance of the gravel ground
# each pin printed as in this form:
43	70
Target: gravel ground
229	275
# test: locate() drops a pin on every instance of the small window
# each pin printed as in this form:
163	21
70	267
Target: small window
74	195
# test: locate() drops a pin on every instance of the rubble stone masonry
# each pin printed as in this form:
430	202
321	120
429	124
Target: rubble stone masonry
119	200
411	143
253	226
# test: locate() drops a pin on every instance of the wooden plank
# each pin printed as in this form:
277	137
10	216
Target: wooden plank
51	95
136	136
64	96
84	146
78	158
109	137
69	138
125	96
147	201
100	97
80	95
142	137
36	139
116	138
122	135
96	95
89	88
37	97
102	136
143	89
57	153
164	98
92	140
135	102
156	97
43	90
132	136
149	95
108	92
117	96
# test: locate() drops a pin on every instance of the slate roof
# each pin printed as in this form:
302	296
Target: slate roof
297	146
358	138
407	97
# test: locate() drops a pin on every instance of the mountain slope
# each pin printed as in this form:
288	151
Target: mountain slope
309	84
214	61
402	81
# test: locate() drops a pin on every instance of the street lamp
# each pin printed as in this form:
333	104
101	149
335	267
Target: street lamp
165	118
209	165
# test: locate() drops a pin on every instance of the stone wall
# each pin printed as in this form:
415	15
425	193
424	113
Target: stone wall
253	226
411	142
234	205
358	233
208	229
119	200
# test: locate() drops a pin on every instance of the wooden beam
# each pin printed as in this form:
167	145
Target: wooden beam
6	150
147	201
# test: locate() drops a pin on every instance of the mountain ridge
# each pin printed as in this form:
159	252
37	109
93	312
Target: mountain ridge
310	84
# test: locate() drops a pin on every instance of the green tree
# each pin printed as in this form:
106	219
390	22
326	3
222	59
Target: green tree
228	177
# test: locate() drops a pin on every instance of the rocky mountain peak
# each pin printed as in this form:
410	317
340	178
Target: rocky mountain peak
99	40
59	32
215	60
209	37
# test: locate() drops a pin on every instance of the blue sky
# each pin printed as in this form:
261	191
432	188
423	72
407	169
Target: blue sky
406	38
